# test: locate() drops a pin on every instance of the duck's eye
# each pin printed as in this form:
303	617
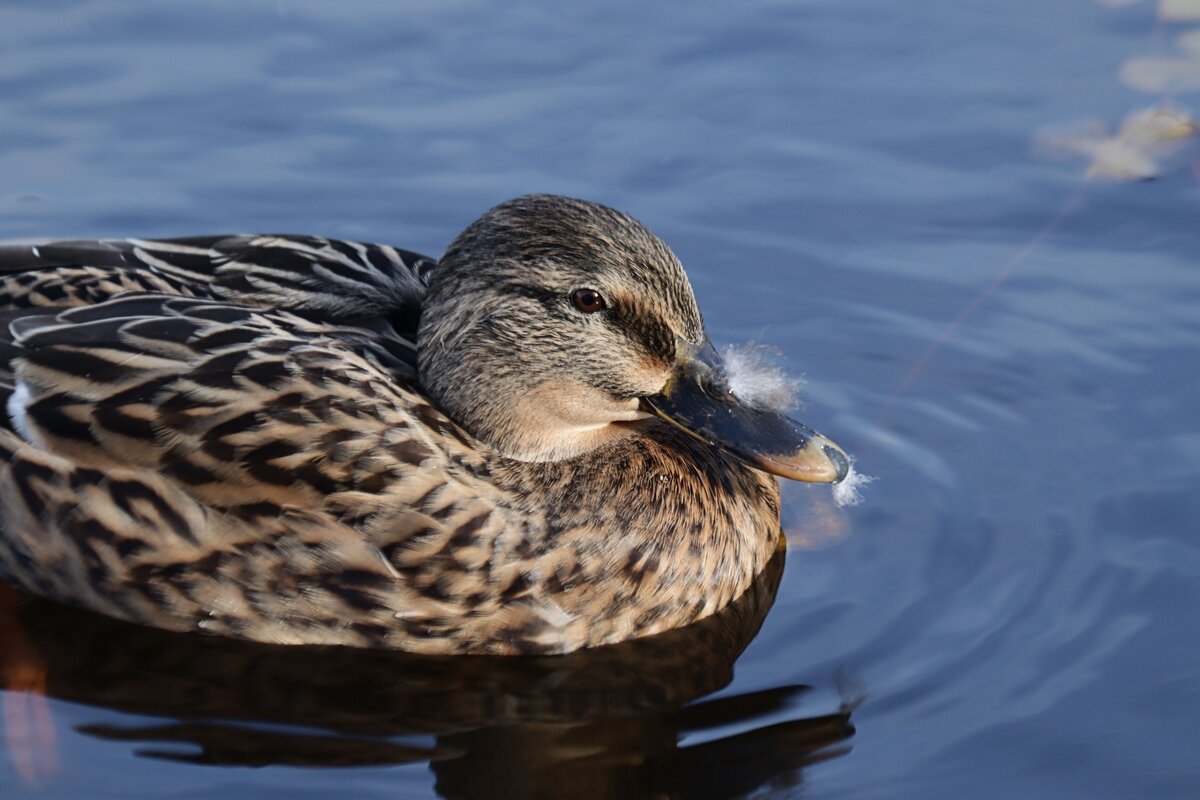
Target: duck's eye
589	301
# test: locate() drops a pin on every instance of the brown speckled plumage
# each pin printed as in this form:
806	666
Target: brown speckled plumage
230	435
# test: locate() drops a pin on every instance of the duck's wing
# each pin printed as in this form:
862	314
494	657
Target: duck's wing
331	278
154	380
169	458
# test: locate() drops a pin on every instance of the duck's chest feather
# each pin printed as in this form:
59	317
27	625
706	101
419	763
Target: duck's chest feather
649	534
493	555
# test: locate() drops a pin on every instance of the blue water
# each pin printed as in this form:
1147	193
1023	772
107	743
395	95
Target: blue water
1013	609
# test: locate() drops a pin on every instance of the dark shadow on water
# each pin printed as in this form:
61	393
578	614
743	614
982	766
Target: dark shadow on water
601	723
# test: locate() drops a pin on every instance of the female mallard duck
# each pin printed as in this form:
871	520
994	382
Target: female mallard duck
528	446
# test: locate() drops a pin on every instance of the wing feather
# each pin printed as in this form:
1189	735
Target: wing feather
306	274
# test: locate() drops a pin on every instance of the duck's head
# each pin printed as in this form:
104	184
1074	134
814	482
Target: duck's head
553	326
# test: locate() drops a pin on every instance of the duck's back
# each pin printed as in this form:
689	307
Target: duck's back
149	294
337	280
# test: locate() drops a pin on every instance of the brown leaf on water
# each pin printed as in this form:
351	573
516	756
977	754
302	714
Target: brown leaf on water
1130	153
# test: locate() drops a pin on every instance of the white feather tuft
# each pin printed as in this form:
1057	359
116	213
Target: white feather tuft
848	491
757	381
18	401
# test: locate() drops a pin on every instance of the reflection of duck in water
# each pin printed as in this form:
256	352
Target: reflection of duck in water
239	435
605	722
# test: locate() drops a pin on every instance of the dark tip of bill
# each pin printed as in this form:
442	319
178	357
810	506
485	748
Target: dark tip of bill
839	460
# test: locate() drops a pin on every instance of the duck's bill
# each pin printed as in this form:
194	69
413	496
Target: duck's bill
698	400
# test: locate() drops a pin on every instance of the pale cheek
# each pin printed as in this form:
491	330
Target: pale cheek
555	409
650	375
590	408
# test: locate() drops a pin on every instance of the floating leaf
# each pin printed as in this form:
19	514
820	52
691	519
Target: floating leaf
1130	153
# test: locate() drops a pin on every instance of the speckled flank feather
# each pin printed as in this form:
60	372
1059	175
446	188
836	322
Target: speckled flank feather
229	435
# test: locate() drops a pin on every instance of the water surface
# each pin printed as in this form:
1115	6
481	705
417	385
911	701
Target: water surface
1011	611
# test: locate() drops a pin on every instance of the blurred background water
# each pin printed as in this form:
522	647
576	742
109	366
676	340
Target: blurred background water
1013	609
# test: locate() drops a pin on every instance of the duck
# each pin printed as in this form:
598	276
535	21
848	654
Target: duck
526	447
